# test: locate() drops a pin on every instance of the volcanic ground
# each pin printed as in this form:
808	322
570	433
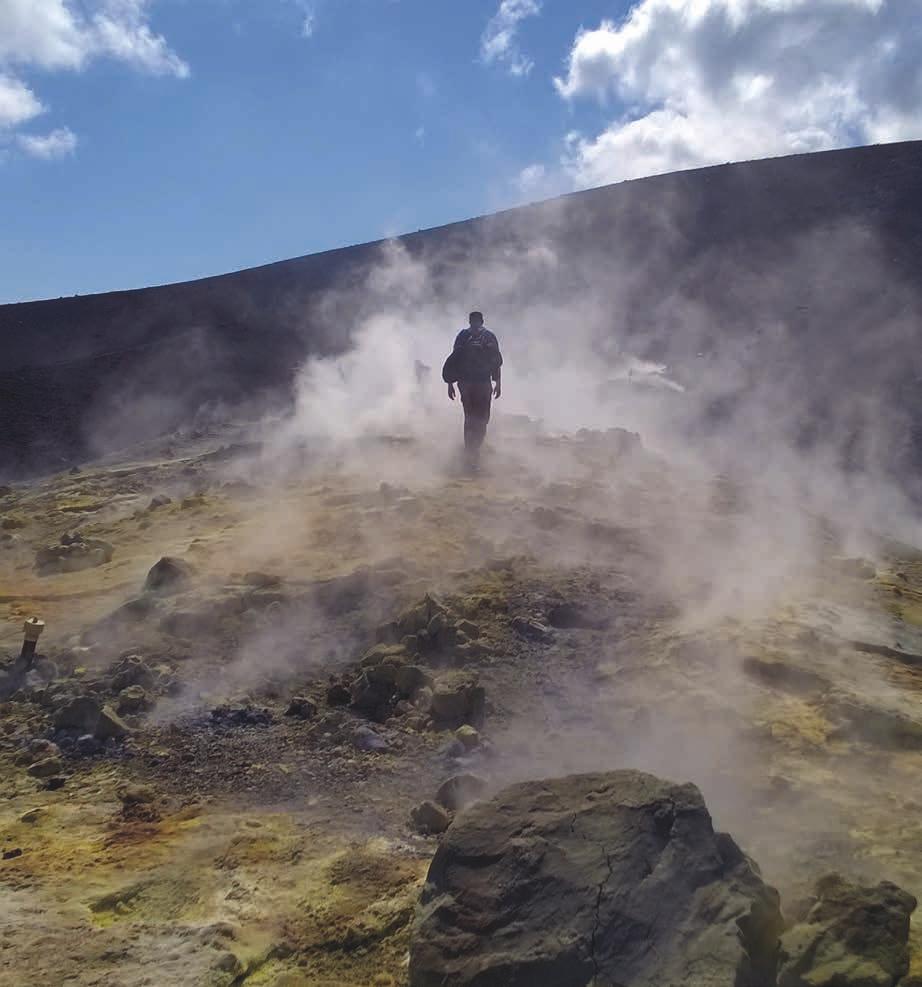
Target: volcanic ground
210	776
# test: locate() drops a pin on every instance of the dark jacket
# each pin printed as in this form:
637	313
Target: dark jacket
475	357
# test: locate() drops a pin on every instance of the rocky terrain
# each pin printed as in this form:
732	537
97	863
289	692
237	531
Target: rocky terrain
271	696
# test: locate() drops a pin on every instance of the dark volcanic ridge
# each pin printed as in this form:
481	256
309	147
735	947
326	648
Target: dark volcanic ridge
756	283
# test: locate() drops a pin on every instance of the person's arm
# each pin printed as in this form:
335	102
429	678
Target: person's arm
497	374
459	339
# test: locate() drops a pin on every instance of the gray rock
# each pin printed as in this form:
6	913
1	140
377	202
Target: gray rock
131	670
427	817
133	699
852	937
460	791
380	654
168	575
80	713
159	500
532	629
457	699
371	694
110	725
366	739
597	879
46	767
468	737
338	694
410	678
302	707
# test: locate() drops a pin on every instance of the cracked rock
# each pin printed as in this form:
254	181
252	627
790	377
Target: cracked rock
600	879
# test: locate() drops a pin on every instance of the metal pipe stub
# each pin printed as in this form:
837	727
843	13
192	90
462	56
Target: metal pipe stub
31	632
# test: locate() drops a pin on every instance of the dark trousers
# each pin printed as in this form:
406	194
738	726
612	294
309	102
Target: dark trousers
476	396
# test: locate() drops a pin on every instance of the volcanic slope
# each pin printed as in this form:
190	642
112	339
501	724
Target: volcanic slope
790	281
212	780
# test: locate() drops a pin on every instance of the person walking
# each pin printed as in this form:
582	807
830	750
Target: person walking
475	365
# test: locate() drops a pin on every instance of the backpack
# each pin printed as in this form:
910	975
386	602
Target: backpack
474	359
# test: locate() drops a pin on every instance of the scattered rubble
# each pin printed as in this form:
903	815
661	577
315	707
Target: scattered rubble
72	554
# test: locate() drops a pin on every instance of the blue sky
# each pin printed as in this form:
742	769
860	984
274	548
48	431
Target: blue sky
147	141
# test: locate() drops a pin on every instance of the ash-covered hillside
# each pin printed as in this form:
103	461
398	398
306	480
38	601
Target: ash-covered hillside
784	290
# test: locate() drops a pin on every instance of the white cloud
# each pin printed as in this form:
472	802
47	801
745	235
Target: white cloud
120	29
706	81
66	35
17	102
60	34
55	144
499	44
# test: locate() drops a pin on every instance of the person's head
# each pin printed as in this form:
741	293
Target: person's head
476	319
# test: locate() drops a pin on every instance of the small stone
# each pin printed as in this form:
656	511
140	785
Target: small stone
12	854
380	653
88	745
366	739
133	699
159	500
532	629
469	628
338	694
428	817
46	767
31	816
136	795
131	670
460	790
468	736
110	725
302	707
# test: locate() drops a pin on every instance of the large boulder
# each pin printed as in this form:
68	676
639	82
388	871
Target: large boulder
604	879
852	936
